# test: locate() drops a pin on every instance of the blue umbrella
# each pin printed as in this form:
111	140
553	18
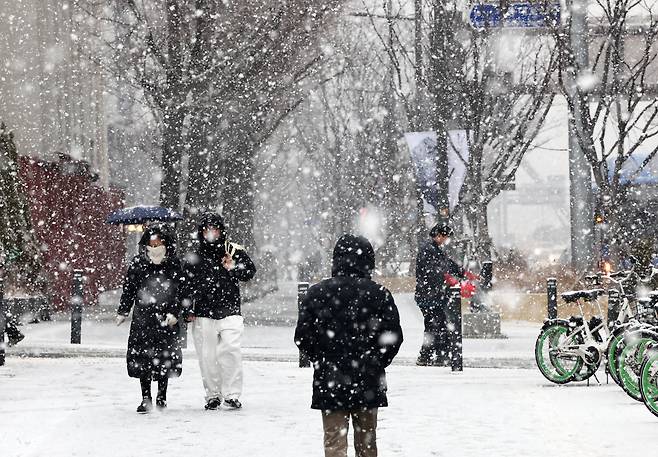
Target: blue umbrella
142	214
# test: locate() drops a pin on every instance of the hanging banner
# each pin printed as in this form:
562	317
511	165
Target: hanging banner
423	150
457	164
422	147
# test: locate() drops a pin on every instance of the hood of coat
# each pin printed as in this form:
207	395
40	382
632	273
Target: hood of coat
353	256
214	247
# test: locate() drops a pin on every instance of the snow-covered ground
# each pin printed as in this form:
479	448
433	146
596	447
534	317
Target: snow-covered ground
274	340
71	404
86	407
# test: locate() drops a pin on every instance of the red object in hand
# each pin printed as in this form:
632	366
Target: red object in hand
468	289
450	280
471	276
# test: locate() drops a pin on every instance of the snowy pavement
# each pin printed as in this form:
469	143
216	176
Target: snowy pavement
269	336
86	407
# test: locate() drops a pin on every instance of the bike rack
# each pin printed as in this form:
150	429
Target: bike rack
551	292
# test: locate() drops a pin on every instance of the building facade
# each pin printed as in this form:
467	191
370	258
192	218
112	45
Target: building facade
51	94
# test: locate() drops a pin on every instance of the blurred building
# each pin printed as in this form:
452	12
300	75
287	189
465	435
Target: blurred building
51	94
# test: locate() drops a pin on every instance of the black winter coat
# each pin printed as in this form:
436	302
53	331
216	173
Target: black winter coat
431	264
350	328
213	291
152	291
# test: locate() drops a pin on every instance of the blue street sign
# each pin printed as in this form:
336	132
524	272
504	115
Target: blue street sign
524	15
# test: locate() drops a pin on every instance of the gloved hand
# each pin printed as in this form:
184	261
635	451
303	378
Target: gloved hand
170	320
471	276
120	319
450	280
468	289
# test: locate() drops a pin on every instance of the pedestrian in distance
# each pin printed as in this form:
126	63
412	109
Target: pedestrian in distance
151	289
349	327
7	319
214	306
436	272
14	335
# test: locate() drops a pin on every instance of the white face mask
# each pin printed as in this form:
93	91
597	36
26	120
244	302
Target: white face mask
156	254
211	235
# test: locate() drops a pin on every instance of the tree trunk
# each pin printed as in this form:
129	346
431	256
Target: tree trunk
172	154
238	195
482	238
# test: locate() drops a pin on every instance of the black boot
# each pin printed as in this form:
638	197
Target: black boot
145	406
15	338
161	399
147	403
423	360
425	356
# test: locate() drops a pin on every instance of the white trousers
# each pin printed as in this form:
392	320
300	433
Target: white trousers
217	344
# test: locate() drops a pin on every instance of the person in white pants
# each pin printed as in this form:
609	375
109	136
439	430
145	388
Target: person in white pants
217	344
212	296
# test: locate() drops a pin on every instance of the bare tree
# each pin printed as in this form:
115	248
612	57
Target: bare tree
447	78
350	143
612	101
219	77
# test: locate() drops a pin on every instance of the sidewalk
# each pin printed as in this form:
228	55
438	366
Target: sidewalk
269	336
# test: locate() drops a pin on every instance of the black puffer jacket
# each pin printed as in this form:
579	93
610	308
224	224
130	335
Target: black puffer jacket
212	290
350	328
431	265
152	291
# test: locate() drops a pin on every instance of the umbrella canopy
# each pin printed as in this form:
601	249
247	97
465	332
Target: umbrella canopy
142	214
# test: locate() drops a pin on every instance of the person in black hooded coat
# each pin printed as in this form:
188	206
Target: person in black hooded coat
349	327
213	295
151	289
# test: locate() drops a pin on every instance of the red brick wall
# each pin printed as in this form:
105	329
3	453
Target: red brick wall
68	212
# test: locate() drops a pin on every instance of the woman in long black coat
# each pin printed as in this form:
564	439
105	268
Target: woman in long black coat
151	290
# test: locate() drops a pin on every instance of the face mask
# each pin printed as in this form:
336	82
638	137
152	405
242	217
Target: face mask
211	236
156	254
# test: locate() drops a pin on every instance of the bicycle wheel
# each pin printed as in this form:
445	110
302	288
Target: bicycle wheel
649	381
556	367
592	362
616	340
587	370
630	360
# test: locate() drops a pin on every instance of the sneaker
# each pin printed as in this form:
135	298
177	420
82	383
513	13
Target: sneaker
145	406
161	403
14	340
232	403
213	404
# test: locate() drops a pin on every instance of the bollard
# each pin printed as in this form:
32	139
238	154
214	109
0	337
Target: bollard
478	301
77	290
614	302
454	324
302	288
3	321
486	275
182	333
551	292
